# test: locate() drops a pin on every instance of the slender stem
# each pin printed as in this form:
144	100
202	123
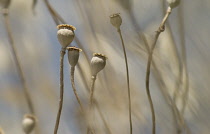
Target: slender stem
128	83
56	17
147	84
90	127
93	79
62	53
17	61
18	65
74	88
160	29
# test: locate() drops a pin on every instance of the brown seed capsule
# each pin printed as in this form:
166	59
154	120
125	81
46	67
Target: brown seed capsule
116	20
173	3
73	55
98	62
65	34
28	123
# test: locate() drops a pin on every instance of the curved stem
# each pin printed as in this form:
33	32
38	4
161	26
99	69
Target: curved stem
128	83
62	53
160	29
17	61
74	88
147	84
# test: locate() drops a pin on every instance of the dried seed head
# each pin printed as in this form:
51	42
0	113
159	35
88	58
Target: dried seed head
116	20
28	123
98	62
65	34
173	3
5	3
73	55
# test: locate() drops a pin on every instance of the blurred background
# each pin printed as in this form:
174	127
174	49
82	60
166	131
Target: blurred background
180	77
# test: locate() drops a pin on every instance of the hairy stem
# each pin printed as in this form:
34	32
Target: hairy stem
160	29
62	53
74	88
128	83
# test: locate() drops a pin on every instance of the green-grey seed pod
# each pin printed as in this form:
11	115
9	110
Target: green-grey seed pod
73	55
173	3
65	34
28	123
97	63
116	20
5	3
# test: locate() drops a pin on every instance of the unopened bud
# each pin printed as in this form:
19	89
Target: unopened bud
28	123
65	34
73	55
116	20
98	62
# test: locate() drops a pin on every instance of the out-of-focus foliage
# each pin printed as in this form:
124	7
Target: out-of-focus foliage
187	34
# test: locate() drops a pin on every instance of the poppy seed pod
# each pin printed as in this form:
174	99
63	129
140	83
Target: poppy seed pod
28	123
116	20
65	34
173	3
98	62
73	55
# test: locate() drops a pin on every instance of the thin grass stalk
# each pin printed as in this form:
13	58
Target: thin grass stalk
62	53
184	62
74	88
128	82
